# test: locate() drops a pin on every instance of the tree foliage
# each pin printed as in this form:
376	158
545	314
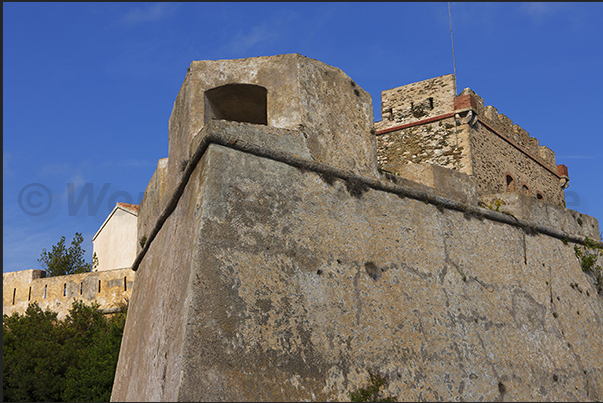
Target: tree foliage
45	359
64	260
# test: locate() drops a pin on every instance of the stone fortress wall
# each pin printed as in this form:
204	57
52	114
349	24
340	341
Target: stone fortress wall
426	122
109	288
280	264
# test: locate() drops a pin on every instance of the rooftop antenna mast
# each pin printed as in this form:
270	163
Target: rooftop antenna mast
456	135
452	41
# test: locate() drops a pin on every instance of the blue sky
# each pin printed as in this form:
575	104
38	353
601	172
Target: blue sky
88	88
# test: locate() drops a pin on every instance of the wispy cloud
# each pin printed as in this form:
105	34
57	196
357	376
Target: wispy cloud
130	55
22	248
577	157
147	13
488	14
577	16
134	163
483	13
24	237
276	29
78	181
244	41
6	157
55	168
540	11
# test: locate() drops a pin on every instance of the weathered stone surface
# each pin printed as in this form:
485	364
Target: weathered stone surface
493	158
268	283
436	143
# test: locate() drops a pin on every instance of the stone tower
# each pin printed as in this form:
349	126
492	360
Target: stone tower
426	123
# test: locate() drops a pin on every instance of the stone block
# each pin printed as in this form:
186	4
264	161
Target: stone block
506	123
479	101
533	146
521	136
465	101
442	181
491	113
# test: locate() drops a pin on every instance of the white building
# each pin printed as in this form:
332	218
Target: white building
115	242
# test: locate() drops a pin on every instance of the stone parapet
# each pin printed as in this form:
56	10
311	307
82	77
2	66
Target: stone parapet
424	101
525	207
425	123
435	143
18	280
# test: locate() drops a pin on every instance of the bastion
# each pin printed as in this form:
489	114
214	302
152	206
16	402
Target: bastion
281	259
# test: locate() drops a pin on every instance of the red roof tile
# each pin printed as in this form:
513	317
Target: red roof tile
129	206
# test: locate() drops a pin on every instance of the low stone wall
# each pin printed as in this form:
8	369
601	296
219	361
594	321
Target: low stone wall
109	288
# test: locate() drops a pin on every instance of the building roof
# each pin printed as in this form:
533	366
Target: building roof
128	206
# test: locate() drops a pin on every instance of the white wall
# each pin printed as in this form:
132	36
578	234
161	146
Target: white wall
115	244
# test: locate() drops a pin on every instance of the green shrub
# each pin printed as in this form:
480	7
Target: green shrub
372	393
45	359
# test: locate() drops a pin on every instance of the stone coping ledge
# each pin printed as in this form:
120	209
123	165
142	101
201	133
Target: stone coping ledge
222	133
